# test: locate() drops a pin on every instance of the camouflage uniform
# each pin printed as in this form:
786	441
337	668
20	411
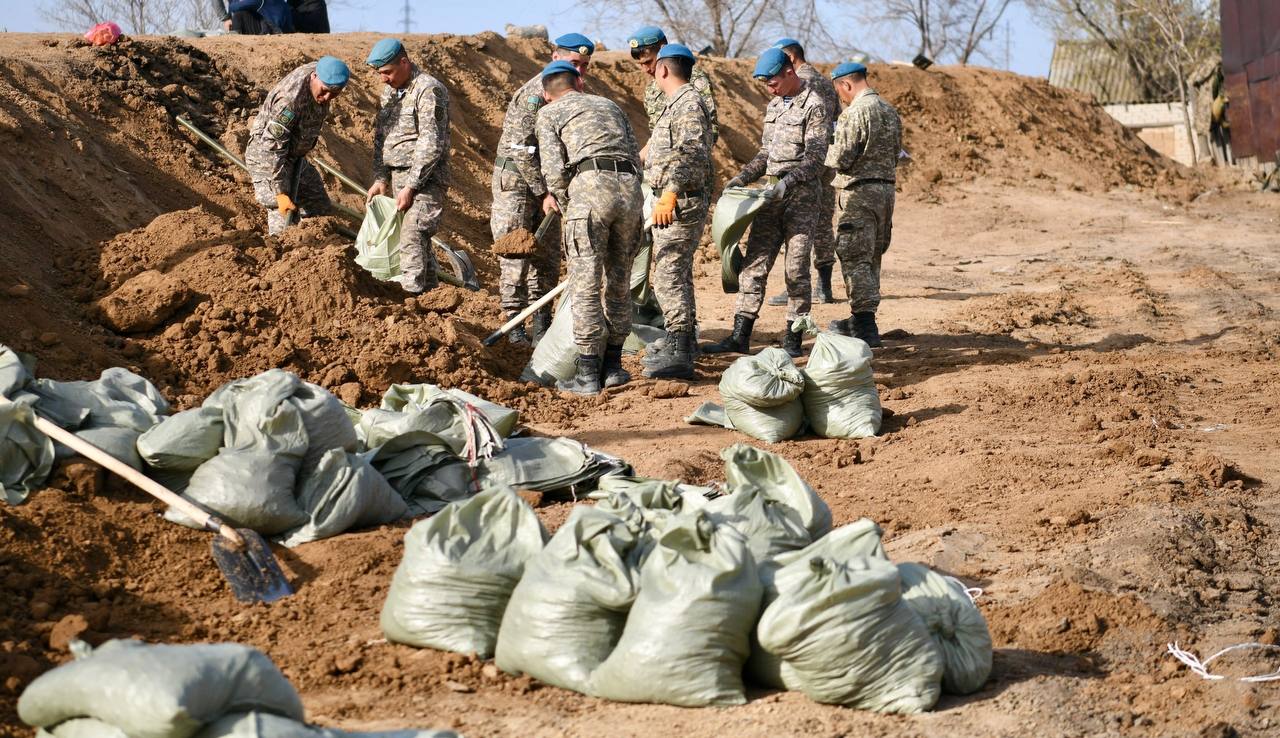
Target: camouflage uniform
865	156
411	149
792	148
285	130
655	101
823	243
603	210
517	202
680	161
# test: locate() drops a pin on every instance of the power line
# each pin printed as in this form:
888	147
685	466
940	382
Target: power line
405	21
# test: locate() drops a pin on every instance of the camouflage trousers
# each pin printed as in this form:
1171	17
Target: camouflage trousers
824	253
674	246
862	237
522	281
309	195
421	221
601	236
789	222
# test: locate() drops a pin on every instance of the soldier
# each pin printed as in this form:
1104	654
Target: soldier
865	157
590	162
285	131
824	256
678	166
792	148
411	156
519	195
645	45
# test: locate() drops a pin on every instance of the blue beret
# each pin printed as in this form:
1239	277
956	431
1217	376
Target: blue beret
672	50
769	63
576	42
384	51
783	43
332	71
845	68
647	36
558	66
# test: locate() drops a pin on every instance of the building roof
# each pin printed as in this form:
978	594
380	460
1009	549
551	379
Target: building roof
1089	66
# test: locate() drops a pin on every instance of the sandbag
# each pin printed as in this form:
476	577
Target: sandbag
118	398
326	422
341	493
955	623
265	725
549	465
734	211
159	691
82	728
26	454
686	637
378	240
16	371
556	354
747	465
458	571
121	443
761	395
183	441
400	397
771	526
840	397
568	611
846	637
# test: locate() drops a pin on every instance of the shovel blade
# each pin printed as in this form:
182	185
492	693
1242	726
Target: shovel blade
253	572
460	264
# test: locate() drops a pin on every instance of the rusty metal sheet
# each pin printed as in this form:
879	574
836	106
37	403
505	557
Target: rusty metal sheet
1251	68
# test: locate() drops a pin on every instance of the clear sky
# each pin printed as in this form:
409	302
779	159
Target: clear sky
1029	46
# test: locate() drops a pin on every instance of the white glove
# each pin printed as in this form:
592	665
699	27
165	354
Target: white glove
776	192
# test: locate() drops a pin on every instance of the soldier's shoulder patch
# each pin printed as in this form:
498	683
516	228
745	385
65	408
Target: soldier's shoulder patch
535	101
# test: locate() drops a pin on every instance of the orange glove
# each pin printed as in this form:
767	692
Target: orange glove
664	212
284	204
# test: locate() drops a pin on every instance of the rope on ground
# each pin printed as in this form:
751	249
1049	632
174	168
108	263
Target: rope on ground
1202	667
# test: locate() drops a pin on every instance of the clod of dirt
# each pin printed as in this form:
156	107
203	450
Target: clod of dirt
443	299
665	389
143	302
18	290
1211	468
533	497
518	244
66	630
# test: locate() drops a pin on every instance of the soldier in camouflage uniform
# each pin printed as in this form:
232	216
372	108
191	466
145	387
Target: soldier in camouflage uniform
411	157
865	156
792	148
679	167
591	164
284	132
519	195
824	256
645	45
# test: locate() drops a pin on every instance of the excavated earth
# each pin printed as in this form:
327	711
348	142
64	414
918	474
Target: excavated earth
1080	364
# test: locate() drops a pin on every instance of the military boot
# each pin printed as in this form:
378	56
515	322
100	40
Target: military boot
841	327
517	337
677	361
541	323
822	290
738	342
586	380
612	372
791	342
864	327
656	352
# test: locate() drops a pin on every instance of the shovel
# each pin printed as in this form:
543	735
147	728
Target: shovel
242	555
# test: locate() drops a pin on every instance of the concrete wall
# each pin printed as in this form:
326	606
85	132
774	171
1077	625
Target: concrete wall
1161	126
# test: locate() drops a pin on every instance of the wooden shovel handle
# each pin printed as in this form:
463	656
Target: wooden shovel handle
140	480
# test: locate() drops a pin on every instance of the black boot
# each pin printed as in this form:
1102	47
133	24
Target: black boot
822	290
738	342
541	323
517	337
777	299
791	342
655	353
586	381
612	372
677	361
841	327
864	327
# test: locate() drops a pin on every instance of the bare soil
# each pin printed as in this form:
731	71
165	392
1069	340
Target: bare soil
1080	364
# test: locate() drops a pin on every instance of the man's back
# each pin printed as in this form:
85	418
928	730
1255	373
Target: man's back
589	127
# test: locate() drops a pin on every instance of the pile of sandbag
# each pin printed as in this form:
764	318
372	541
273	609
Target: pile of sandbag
129	689
767	397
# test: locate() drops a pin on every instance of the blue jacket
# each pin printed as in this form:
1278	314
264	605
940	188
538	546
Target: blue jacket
275	12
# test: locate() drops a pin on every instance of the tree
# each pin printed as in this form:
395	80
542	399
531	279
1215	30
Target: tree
134	16
954	29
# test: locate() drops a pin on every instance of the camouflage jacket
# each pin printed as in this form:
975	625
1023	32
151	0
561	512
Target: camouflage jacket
867	141
578	127
826	89
794	141
655	102
680	147
518	133
286	128
413	131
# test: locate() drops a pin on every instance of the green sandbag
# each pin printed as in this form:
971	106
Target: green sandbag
846	637
746	465
761	395
118	398
686	637
556	354
378	241
326	421
121	443
772	527
859	538
266	725
341	493
159	691
16	371
401	397
840	397
955	623
82	728
734	211
183	441
26	454
458	571
569	609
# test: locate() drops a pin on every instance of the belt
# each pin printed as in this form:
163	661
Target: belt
607	165
697	194
503	162
857	182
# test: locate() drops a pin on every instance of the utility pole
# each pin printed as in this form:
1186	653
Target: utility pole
404	19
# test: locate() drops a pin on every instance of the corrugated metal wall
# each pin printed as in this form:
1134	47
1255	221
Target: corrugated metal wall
1089	66
1251	71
